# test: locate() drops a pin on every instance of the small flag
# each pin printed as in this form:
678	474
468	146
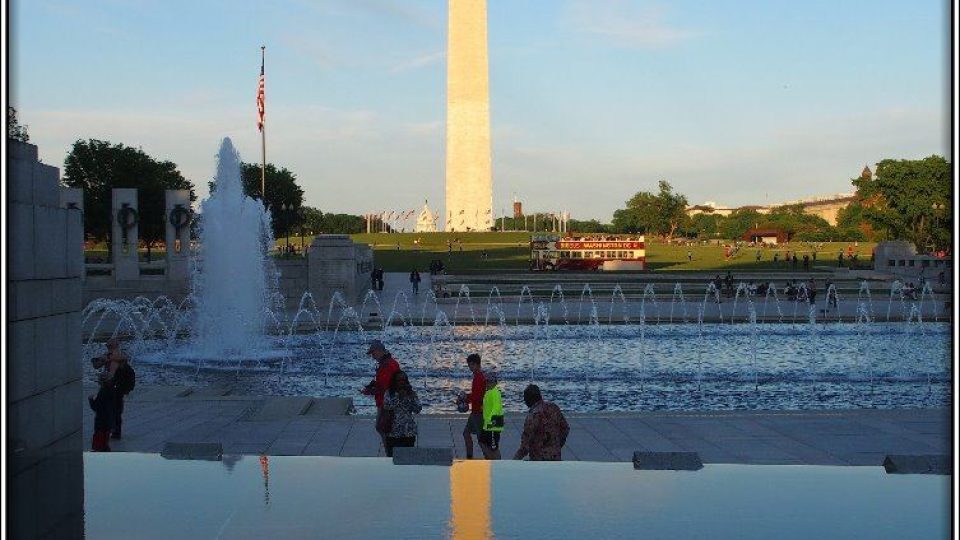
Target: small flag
261	99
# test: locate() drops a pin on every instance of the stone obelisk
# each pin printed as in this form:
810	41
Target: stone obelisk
469	180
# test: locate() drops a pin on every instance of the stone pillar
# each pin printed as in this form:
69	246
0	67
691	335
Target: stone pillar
125	240
178	217
44	399
72	199
333	266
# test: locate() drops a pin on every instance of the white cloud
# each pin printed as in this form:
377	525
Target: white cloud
418	62
623	23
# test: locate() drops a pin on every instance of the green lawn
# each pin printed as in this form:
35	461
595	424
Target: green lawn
510	251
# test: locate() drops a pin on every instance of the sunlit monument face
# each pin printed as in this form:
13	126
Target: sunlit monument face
469	181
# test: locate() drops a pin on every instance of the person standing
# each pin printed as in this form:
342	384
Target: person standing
116	364
544	431
386	367
812	291
492	418
475	398
401	402
689	255
103	407
415	281
123	381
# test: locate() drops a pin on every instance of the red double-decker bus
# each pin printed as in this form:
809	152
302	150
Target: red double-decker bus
598	253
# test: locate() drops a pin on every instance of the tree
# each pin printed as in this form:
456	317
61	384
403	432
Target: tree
589	226
910	200
311	219
798	224
739	222
14	130
662	213
343	224
852	223
705	225
282	192
98	167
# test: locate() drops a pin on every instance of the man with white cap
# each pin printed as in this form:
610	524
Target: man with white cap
386	367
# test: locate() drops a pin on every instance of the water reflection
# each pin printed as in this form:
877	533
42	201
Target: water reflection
265	471
470	500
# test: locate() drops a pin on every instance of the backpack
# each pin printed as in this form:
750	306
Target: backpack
126	380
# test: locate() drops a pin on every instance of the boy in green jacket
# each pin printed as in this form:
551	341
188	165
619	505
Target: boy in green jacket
492	419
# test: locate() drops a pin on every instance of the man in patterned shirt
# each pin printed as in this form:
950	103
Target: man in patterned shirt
545	429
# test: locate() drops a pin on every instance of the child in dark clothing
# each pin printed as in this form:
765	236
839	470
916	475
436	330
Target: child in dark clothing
103	406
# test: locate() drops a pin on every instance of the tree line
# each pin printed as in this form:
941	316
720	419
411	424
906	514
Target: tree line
100	166
903	200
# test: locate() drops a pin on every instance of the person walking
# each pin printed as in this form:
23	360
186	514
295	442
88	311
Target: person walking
386	367
544	431
492	418
103	407
400	404
116	364
475	398
415	281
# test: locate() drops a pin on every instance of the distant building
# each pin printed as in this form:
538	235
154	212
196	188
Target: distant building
517	209
426	220
766	236
825	206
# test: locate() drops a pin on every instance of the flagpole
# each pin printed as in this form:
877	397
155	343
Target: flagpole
263	137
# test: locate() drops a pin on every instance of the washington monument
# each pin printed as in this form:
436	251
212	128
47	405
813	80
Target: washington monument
469	181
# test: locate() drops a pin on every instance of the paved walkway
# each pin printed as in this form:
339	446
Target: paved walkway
305	426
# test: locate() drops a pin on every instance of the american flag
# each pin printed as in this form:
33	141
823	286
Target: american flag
261	99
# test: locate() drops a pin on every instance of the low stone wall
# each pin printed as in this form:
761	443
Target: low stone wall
294	280
333	263
901	258
337	264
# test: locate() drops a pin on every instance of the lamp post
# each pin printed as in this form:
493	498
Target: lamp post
289	211
936	207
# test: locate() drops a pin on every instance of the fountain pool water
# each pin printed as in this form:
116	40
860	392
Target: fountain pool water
808	365
232	329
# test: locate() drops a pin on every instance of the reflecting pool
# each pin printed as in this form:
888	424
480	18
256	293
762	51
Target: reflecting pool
145	496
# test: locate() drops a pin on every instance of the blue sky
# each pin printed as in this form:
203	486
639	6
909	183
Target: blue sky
733	101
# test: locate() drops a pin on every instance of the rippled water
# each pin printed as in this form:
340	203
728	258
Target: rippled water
613	368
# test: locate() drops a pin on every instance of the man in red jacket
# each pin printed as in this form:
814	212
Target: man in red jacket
386	367
475	398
